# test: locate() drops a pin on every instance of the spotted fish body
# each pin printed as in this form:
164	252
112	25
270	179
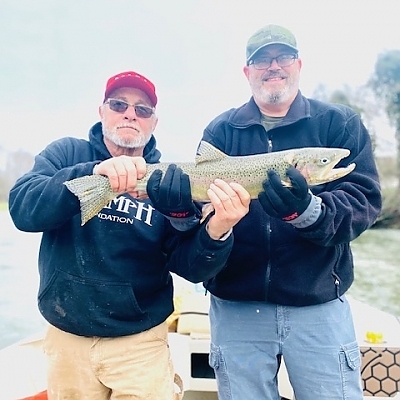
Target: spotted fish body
316	164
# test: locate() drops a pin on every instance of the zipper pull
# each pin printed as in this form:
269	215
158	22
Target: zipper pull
337	284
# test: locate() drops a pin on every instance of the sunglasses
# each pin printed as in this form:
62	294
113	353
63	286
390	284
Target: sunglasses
121	106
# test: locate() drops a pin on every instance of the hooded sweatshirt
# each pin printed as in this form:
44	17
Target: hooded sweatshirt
110	277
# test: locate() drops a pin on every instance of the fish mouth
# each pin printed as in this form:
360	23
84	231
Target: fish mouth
330	174
337	173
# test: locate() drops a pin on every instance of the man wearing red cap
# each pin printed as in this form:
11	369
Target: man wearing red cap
282	292
105	287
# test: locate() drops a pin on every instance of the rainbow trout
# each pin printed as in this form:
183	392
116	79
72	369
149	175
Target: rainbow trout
316	164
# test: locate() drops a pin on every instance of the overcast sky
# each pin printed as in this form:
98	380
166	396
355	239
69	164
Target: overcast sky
55	57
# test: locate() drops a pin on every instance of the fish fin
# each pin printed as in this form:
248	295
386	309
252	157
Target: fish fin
289	159
207	152
91	198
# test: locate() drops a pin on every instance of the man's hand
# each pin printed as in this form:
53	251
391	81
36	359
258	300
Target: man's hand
231	203
171	195
286	203
123	172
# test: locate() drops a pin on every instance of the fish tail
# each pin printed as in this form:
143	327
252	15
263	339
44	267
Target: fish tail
91	196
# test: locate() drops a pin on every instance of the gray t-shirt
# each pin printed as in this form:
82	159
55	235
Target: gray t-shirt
269	122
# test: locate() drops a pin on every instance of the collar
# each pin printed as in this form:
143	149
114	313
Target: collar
249	114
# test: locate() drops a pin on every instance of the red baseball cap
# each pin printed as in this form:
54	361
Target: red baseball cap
134	80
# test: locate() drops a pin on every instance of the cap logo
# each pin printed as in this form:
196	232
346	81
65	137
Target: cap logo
270	34
134	75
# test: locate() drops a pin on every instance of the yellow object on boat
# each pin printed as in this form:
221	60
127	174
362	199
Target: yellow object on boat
374	337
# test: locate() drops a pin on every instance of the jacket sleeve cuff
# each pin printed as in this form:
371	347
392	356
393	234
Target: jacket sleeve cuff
224	236
310	215
184	224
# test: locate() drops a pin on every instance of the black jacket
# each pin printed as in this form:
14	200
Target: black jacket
110	277
271	260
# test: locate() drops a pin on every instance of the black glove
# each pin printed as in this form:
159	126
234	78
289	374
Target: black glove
286	203
171	196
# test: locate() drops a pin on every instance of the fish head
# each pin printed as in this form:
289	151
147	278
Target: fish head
317	164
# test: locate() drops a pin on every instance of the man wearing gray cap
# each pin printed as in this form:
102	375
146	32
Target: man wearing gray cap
282	292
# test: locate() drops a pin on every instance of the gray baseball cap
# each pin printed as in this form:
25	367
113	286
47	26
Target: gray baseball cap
270	34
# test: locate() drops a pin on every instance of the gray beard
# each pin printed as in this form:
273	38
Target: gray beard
139	141
275	98
278	96
268	97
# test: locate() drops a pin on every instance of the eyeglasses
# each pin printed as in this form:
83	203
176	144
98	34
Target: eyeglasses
283	60
121	106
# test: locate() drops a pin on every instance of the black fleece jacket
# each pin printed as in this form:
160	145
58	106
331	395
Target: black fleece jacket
271	260
110	277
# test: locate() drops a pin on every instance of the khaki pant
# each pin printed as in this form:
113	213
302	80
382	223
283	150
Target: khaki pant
128	367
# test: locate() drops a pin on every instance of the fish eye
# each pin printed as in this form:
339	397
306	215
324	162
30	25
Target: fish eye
325	160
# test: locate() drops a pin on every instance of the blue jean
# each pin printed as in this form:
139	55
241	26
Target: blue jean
317	343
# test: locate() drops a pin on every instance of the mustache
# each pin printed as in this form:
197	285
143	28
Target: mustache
127	125
273	74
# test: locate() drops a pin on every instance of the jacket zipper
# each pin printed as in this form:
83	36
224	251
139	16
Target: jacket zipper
268	270
337	286
268	237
